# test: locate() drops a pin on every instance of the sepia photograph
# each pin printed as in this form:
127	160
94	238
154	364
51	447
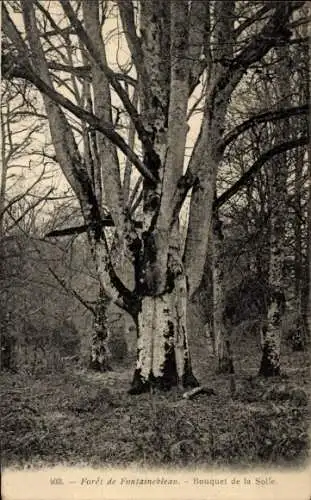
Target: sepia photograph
155	249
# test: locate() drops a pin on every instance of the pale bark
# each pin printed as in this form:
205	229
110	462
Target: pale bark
100	357
3	182
206	155
109	165
163	358
177	112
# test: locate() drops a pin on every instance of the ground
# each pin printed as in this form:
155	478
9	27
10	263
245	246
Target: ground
80	417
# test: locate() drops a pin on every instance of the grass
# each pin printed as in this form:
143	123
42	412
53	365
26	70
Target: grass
79	417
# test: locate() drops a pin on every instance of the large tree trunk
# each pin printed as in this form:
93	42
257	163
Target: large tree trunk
100	355
163	357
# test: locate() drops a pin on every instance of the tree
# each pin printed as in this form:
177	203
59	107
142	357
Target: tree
100	354
308	259
177	48
271	345
220	320
17	201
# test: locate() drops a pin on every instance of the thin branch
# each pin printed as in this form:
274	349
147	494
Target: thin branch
259	45
95	54
128	22
13	67
71	291
248	176
64	33
246	24
23	195
136	205
107	221
84	72
134	192
59	280
29	209
261	118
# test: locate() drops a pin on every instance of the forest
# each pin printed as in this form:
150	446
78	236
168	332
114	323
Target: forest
155	232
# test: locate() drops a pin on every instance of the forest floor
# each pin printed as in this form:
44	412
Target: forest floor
80	417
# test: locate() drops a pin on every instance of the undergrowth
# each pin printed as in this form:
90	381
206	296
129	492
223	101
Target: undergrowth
77	416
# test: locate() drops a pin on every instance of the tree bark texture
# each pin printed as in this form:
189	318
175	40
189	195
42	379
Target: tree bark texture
100	356
163	357
220	325
272	329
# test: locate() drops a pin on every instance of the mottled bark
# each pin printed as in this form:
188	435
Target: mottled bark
220	326
271	334
100	355
272	330
308	260
308	300
298	336
163	357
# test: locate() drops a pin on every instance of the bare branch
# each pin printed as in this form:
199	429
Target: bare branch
261	118
96	55
251	20
19	197
105	222
134	192
13	68
128	165
28	209
246	178
260	44
71	290
128	22
84	72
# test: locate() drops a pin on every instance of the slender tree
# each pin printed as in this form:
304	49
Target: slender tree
220	321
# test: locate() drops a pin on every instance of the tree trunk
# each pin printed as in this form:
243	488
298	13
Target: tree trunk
221	334
298	337
308	259
272	329
271	334
308	266
163	357
100	354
